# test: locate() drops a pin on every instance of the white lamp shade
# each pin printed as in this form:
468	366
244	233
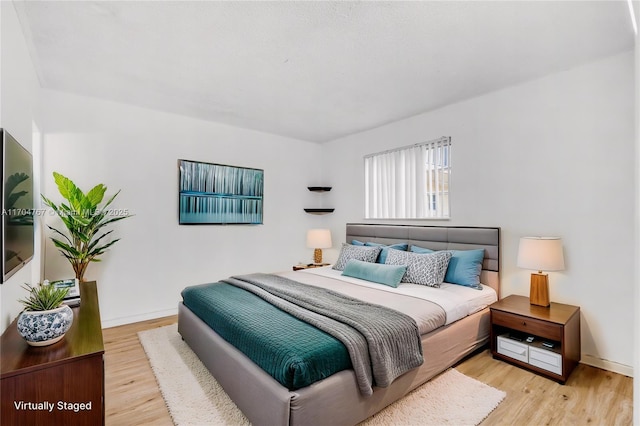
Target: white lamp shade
319	238
541	253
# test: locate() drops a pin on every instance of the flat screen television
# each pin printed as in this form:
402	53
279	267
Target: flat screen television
17	205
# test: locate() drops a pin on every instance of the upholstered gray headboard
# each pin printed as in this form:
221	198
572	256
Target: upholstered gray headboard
438	238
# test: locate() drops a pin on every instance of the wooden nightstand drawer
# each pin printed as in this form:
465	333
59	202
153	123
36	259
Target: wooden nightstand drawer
527	325
550	361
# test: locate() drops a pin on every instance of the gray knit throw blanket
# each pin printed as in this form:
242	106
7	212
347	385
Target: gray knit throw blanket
383	343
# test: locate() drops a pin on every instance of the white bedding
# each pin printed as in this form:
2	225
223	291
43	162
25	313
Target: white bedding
457	301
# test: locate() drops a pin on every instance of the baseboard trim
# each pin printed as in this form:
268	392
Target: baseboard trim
625	370
137	318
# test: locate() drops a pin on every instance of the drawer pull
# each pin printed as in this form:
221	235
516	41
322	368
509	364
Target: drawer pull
524	323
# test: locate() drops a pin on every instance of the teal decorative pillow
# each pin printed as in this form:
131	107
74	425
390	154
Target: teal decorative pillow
390	275
384	249
465	267
427	269
416	249
357	243
347	252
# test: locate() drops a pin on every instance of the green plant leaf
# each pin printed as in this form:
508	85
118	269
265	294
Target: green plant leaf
65	186
95	242
79	221
110	200
101	249
96	194
50	203
66	208
66	247
60	233
113	219
43	297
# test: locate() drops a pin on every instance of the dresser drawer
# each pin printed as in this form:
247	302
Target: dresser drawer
547	360
513	349
527	325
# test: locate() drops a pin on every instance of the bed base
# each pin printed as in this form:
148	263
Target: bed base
334	400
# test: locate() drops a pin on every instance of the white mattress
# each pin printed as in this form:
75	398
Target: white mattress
457	301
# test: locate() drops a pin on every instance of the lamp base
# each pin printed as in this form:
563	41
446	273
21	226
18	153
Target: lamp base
317	256
539	292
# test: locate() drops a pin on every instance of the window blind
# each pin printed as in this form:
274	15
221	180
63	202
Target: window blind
411	182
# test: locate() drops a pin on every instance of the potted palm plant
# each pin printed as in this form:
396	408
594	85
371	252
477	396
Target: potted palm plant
45	319
85	221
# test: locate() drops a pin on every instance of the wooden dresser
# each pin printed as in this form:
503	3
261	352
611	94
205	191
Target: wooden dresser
58	384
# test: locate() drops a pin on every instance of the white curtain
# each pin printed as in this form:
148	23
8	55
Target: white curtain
408	183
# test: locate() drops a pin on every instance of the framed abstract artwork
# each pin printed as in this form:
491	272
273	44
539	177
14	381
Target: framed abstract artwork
219	194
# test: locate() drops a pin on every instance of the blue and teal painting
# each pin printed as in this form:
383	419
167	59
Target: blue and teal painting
220	194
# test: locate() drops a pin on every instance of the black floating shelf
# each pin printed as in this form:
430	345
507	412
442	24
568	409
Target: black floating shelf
319	188
319	211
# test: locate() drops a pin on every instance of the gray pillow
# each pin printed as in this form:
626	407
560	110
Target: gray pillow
425	269
348	252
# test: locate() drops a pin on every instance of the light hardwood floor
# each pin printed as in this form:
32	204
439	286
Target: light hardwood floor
591	396
132	396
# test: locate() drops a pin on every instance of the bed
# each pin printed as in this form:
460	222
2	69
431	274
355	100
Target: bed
337	398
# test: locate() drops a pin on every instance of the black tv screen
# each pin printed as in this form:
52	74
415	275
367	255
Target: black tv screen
17	205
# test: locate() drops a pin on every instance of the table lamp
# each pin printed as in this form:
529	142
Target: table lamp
318	239
541	254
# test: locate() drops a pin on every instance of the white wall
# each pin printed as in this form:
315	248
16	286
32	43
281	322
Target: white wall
550	157
18	111
136	150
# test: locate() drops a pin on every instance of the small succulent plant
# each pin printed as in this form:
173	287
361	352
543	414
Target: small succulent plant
43	297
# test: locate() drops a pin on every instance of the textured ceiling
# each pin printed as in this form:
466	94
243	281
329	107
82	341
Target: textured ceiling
311	70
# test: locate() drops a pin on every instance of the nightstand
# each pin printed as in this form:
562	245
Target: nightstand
513	319
308	266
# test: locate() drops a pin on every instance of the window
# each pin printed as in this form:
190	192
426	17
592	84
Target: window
410	182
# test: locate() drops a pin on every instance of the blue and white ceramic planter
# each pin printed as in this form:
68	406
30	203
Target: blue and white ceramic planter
42	328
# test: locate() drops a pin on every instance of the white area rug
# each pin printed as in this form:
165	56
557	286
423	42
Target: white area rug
195	398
